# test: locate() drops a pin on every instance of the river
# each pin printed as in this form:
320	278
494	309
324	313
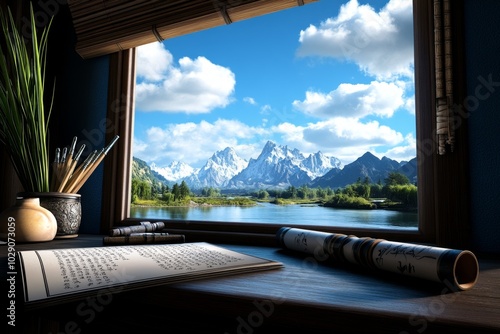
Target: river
285	215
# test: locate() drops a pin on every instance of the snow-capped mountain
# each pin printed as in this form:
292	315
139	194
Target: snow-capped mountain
279	166
218	170
318	164
174	171
276	166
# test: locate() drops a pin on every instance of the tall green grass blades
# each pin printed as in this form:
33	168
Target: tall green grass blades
23	116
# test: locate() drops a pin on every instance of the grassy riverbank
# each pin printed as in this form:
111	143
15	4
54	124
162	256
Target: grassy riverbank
336	201
197	201
347	202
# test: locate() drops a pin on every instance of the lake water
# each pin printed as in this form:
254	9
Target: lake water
285	215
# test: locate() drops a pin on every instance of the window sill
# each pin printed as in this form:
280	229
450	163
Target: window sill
304	295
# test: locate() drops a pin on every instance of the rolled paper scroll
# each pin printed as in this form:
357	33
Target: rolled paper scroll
456	268
142	228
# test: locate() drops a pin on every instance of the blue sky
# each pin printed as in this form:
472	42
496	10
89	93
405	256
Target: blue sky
331	76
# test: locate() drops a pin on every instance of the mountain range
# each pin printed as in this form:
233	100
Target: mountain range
277	166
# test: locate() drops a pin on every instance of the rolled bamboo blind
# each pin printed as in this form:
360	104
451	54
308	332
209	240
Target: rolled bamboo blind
107	26
444	75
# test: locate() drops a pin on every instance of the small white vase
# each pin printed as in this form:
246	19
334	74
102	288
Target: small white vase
65	207
27	221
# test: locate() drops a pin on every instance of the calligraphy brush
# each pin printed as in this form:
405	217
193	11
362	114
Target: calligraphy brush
94	165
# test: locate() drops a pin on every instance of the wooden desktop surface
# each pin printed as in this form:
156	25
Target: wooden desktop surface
304	295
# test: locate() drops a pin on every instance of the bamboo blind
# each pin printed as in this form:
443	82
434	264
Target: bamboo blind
107	26
444	75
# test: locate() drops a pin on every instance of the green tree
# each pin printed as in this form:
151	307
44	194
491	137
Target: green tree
167	197
376	190
140	190
395	178
145	190
349	191
262	194
134	191
404	193
302	192
344	201
321	193
184	190
135	198
176	191
210	192
291	192
361	190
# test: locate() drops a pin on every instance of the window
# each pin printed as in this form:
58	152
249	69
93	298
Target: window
435	195
280	118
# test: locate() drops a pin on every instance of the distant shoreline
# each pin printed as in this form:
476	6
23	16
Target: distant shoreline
192	204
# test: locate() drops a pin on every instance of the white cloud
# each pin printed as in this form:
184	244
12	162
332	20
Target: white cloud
410	105
193	143
342	137
380	43
250	100
139	147
291	134
404	152
153	61
350	132
191	86
354	100
266	109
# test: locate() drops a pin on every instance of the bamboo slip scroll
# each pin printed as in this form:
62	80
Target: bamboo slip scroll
458	268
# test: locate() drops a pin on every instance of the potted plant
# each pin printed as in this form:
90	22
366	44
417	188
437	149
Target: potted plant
24	119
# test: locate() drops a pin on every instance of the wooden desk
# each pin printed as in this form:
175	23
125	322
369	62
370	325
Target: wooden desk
304	296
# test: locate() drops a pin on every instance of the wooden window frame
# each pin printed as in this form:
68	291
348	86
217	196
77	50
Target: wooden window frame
442	180
107	26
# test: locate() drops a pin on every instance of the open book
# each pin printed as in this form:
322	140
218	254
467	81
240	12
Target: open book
56	275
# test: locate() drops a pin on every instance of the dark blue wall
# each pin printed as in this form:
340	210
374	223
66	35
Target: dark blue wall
80	109
86	106
482	22
482	105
